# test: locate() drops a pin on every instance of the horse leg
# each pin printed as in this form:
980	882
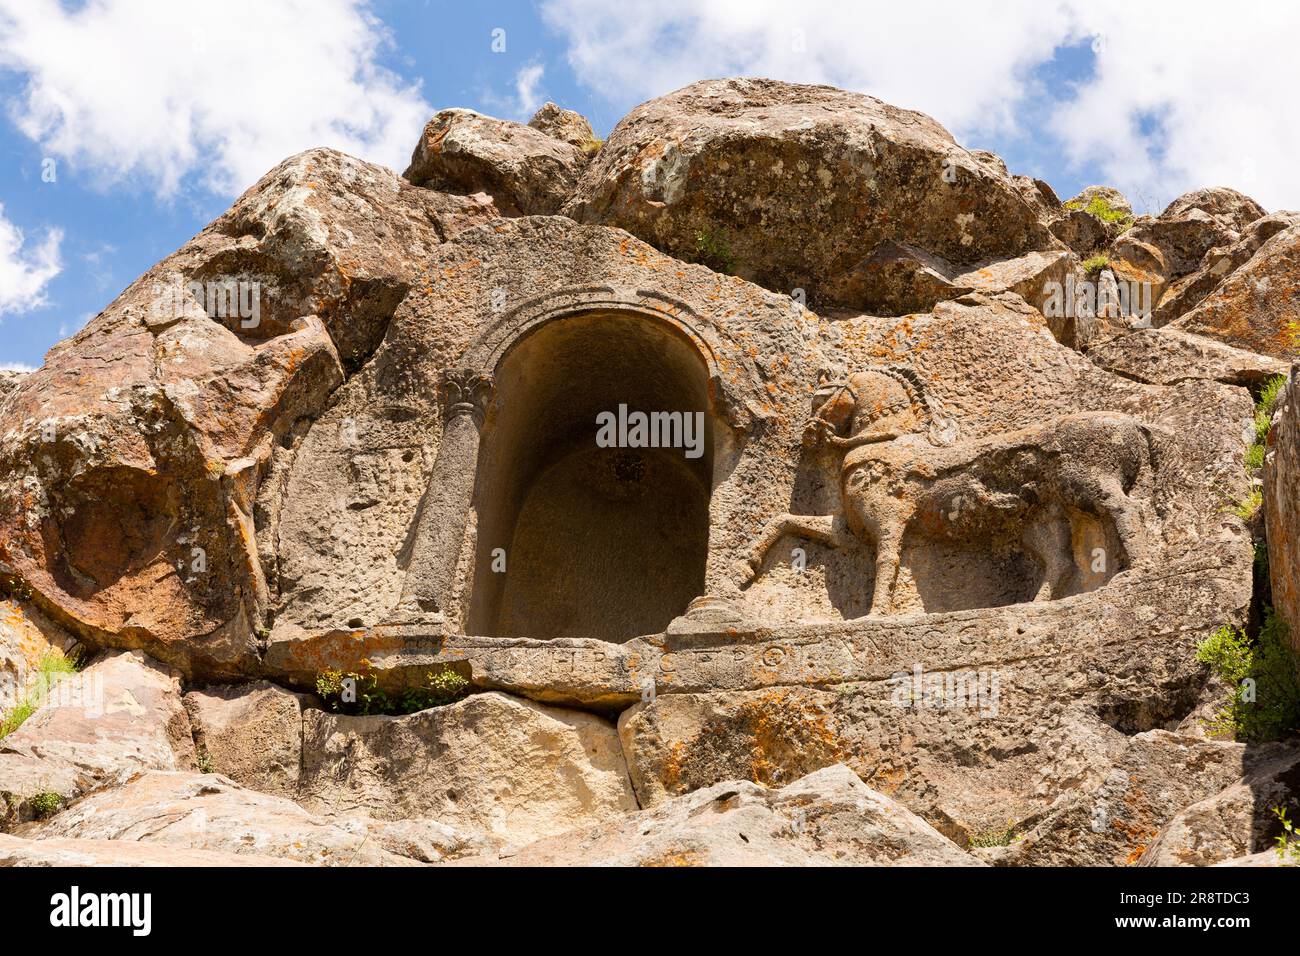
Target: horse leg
827	529
888	555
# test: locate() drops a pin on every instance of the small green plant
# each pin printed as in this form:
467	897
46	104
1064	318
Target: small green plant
53	666
1093	265
359	694
1254	457
1245	508
1265	701
204	761
1099	208
592	146
1288	849
713	252
46	804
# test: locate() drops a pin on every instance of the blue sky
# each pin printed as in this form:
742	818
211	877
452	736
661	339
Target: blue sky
153	117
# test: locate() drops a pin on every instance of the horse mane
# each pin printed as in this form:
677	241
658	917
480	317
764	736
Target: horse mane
940	428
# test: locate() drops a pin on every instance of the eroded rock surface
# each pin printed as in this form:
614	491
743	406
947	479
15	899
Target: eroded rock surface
491	763
828	818
527	171
789	186
121	715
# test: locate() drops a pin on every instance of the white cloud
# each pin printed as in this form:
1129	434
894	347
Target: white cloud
24	274
526	83
1220	88
16	367
527	95
161	90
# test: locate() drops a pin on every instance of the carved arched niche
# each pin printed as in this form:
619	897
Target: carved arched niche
607	543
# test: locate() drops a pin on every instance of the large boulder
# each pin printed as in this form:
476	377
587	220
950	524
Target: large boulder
1257	307
1236	822
131	462
1166	356
191	811
527	172
565	125
251	733
1115	816
1232	209
63	852
121	715
1186	293
790	185
1092	220
828	818
491	763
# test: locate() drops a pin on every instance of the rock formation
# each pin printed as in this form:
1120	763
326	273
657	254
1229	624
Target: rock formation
901	552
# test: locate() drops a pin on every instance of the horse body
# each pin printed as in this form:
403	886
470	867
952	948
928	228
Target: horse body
892	485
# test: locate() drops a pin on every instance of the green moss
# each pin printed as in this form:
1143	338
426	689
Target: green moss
1265	701
439	688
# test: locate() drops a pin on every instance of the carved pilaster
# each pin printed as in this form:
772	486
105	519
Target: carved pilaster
440	528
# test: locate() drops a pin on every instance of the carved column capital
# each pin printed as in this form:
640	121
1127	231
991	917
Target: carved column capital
468	392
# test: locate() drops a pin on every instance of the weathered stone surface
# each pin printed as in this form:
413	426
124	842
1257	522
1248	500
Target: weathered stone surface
251	733
193	811
828	818
15	851
9	380
565	125
26	637
1257	307
493	764
121	715
1266	858
526	171
1111	196
1236	822
1166	356
1114	817
1282	508
1232	209
1046	692
130	464
898	279
790	185
1186	293
1083	232
1183	237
